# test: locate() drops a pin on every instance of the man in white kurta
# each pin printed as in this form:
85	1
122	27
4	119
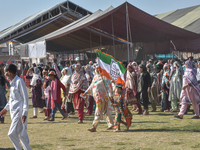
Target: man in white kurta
18	106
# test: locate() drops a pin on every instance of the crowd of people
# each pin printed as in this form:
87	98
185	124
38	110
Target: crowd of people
66	87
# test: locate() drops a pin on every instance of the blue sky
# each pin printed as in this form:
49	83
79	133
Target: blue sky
13	11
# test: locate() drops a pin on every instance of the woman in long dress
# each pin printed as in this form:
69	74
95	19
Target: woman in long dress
131	88
36	86
153	94
3	100
66	80
79	85
175	85
101	90
190	91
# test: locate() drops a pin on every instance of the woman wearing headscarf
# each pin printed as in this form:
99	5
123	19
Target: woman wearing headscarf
175	85
131	87
101	90
159	68
144	87
3	100
136	68
36	87
89	76
79	84
165	104
66	80
153	94
56	100
190	91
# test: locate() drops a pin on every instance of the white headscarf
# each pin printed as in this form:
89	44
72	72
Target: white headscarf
67	78
36	76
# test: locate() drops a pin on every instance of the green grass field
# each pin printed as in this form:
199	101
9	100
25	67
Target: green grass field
157	131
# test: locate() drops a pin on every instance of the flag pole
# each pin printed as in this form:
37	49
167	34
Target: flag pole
127	30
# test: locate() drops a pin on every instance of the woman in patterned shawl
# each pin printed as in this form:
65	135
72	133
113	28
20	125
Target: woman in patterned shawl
175	85
101	90
79	84
190	91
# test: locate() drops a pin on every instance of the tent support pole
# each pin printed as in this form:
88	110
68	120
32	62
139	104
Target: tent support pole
186	49
113	35
100	34
91	43
127	30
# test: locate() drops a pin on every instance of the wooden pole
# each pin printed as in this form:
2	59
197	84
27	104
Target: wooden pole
113	32
127	30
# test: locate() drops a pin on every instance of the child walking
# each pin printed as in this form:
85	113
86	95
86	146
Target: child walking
121	110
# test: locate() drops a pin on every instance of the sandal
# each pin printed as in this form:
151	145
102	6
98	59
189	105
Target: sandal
80	122
195	117
50	119
92	130
178	116
33	117
110	128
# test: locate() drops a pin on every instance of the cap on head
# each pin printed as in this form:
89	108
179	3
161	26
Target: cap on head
119	85
52	73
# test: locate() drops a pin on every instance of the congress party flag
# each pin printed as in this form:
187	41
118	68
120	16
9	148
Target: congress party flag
111	68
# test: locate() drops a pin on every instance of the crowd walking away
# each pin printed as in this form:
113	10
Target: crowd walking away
70	86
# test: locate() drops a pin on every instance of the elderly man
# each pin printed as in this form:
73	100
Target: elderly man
18	106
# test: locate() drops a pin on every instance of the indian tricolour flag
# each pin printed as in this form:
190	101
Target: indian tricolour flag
111	68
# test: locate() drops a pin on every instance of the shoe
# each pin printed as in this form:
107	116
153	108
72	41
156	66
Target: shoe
46	118
2	122
33	117
146	112
92	130
195	117
178	116
65	117
167	110
110	128
140	113
50	119
117	130
87	114
72	113
80	122
153	111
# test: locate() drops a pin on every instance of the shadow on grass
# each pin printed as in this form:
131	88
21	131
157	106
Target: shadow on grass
149	122
7	148
41	146
164	130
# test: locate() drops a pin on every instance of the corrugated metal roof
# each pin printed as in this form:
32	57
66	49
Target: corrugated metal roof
186	18
41	19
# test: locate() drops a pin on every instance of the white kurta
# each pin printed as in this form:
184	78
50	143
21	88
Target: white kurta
18	106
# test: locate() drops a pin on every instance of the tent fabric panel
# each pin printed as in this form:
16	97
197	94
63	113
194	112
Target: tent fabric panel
163	15
194	27
157	47
178	14
188	18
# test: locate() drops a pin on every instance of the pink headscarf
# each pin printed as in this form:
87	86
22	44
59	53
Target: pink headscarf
136	68
190	73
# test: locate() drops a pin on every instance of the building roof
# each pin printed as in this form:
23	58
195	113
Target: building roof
186	18
43	22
